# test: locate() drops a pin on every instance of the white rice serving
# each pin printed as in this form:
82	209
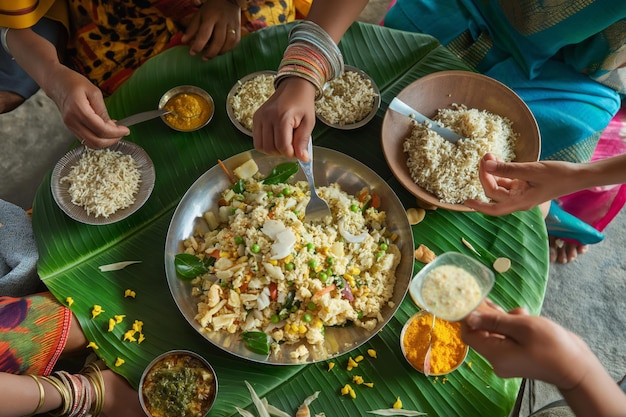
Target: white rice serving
251	95
103	181
346	99
290	279
450	171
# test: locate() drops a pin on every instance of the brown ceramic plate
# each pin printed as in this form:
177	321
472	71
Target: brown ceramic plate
441	90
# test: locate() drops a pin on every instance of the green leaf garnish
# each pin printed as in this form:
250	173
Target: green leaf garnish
281	173
189	266
258	342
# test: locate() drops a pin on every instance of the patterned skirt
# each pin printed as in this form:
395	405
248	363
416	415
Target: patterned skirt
33	333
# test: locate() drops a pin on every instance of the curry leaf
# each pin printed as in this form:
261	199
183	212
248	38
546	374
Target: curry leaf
189	266
282	173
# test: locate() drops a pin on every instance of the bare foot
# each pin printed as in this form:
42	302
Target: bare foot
562	251
9	101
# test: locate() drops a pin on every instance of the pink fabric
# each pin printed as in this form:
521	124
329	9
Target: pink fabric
382	21
599	205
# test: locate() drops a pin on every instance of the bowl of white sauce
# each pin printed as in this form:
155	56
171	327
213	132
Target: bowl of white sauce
451	286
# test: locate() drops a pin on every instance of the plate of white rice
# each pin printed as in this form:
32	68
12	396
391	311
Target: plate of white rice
103	186
246	96
318	290
349	101
486	113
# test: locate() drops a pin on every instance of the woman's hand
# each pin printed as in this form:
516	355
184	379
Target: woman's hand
520	345
82	107
214	29
515	186
284	123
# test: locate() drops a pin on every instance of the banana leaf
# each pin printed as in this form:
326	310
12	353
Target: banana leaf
70	252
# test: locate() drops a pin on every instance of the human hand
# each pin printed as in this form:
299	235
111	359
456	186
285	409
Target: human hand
517	186
519	345
283	124
82	107
214	29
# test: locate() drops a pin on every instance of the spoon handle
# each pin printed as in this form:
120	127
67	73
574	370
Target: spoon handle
401	107
141	117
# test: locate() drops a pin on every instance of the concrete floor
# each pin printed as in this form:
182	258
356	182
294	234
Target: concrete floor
586	296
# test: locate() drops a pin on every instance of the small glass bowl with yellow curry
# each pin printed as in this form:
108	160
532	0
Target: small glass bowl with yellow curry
448	351
191	108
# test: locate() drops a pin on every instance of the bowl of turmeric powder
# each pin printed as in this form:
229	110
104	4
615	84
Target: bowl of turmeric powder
447	350
191	108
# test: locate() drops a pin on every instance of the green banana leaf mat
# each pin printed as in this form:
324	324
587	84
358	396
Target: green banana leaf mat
70	252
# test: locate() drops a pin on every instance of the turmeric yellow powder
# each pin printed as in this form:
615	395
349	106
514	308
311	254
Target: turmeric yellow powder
189	111
448	349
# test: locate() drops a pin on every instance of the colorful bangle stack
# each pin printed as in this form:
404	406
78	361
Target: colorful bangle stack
77	398
3	39
312	55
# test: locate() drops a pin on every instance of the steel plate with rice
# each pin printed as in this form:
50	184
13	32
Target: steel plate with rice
350	101
192	297
61	184
246	96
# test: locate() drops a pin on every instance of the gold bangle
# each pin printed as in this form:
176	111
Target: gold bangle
42	394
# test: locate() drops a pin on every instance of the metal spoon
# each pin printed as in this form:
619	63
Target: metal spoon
141	117
429	350
401	107
317	208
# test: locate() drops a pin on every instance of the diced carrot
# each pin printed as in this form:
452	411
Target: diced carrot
273	291
375	201
215	254
324	290
230	177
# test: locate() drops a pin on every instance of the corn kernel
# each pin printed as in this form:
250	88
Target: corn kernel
224	254
96	310
302	329
119	362
371	352
398	403
274	262
138	326
355	271
130	336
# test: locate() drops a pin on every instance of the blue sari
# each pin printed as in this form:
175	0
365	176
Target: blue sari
563	60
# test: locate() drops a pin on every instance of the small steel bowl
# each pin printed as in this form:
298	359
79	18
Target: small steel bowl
235	91
368	117
419	368
195	122
188	359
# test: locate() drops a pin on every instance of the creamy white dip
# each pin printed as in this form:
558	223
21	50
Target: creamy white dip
450	292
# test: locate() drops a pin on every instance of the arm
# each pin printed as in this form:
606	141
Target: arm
519	345
283	125
80	102
521	186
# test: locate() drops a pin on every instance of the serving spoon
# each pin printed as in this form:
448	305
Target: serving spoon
401	107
